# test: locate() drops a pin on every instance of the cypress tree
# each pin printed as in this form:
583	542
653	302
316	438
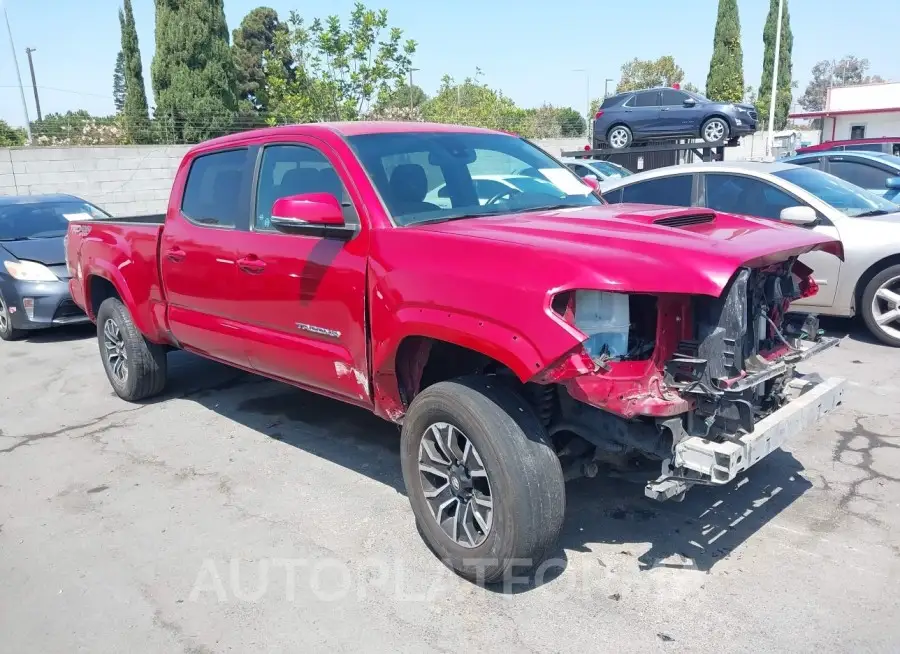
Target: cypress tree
785	69
134	109
725	82
193	70
119	82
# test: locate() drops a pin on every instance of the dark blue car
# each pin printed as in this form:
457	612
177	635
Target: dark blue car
34	288
666	113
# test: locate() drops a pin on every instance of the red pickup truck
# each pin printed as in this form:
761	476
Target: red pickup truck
466	285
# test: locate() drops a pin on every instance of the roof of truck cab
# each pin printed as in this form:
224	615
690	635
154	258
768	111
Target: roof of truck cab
354	128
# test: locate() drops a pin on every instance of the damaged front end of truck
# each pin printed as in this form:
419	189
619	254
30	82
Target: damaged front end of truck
705	386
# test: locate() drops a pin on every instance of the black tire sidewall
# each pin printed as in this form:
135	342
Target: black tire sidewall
10	333
112	308
866	309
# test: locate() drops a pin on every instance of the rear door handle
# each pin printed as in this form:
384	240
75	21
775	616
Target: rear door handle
251	265
175	254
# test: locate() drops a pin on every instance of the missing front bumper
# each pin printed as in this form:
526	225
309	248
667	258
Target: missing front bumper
707	462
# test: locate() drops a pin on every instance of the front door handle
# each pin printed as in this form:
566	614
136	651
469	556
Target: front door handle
175	254
251	265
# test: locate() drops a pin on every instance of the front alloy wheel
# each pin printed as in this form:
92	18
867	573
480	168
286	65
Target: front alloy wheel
455	484
715	130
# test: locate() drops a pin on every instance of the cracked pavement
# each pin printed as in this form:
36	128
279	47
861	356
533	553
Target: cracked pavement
238	514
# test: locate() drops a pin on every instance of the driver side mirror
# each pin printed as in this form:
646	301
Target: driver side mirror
315	214
892	183
799	215
690	102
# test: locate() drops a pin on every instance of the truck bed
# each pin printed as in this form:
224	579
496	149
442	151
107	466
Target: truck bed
124	254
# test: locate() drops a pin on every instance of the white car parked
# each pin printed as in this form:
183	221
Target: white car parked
492	187
867	282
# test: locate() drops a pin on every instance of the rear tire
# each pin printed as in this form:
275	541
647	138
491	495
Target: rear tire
135	367
879	300
7	331
511	463
619	137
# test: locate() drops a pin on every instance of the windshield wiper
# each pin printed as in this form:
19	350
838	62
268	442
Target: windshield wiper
14	238
547	207
873	212
464	216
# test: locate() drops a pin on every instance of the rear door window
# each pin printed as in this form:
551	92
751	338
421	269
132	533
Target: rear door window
647	99
675	191
215	191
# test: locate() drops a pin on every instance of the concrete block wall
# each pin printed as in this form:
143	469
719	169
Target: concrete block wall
123	180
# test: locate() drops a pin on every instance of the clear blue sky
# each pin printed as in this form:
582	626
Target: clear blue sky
527	48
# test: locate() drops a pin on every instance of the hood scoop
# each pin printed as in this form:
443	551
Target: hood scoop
685	220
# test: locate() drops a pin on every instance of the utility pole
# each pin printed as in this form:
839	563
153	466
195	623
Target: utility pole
18	74
37	100
409	91
770	142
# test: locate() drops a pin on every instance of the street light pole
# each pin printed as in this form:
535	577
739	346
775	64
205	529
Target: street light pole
18	74
770	141
409	91
37	100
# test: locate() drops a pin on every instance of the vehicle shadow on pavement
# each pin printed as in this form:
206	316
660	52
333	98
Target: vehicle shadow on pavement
693	534
62	334
852	328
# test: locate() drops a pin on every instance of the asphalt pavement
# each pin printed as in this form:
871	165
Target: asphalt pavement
237	514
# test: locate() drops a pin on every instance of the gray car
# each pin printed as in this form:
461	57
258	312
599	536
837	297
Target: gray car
658	113
877	172
34	288
866	283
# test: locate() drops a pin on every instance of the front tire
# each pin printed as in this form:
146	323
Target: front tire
482	477
881	306
715	129
7	331
619	137
135	367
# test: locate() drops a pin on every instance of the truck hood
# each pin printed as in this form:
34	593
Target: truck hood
48	251
625	247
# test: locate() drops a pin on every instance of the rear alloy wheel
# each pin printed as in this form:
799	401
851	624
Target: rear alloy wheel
482	477
619	137
135	367
881	306
714	130
7	331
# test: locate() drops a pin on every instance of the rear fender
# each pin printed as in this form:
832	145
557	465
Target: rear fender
141	313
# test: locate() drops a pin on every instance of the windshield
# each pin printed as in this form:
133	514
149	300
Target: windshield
434	176
610	169
843	196
34	220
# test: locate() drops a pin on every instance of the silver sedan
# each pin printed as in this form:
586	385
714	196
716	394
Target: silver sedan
867	282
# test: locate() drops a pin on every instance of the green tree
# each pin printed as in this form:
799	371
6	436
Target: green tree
119	82
471	103
849	71
405	96
341	73
11	137
571	122
690	87
725	81
134	108
785	83
193	70
78	128
644	74
253	41
540	123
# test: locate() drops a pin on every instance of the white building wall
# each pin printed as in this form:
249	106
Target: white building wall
864	96
883	124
